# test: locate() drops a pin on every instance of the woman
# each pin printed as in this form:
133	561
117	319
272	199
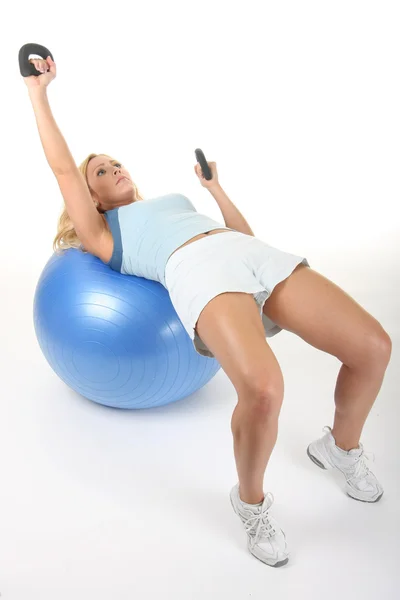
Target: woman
231	291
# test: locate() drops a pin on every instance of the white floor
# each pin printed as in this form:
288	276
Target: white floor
101	503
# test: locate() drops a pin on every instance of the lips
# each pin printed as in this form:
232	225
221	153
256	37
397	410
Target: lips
120	179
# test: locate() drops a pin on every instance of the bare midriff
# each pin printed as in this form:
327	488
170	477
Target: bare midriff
201	235
106	244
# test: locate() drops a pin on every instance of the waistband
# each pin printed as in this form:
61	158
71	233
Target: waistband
207	242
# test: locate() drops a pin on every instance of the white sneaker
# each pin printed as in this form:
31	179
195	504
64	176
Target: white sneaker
266	540
361	483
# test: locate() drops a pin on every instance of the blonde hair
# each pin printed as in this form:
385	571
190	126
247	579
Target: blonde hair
66	235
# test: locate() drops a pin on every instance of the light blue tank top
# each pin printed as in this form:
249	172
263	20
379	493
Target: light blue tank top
147	232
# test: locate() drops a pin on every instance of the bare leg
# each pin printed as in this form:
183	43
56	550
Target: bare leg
255	432
326	317
355	393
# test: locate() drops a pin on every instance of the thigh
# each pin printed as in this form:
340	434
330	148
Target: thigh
320	312
231	327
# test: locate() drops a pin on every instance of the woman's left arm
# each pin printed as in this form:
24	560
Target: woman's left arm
232	216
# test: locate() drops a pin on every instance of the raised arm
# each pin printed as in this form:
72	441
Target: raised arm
88	223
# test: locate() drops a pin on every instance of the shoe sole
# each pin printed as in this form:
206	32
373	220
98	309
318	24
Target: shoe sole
367	501
315	460
281	563
321	466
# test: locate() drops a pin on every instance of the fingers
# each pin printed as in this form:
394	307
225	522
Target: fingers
204	182
39	64
50	62
198	170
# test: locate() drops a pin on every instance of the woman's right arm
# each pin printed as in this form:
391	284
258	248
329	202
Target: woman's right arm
87	221
54	145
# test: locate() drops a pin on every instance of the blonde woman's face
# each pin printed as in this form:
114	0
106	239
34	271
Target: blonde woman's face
107	188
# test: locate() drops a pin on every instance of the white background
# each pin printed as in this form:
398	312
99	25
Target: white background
298	103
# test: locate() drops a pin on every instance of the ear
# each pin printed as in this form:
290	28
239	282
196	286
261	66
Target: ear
95	199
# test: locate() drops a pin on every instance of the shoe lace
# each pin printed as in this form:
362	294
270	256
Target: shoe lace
259	525
361	469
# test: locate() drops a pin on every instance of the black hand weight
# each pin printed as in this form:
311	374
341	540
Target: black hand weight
26	68
203	164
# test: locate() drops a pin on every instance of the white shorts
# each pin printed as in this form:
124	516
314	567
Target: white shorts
225	262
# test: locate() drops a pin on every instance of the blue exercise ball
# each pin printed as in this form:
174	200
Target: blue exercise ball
115	339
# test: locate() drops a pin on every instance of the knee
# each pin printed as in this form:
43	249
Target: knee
263	395
383	345
378	348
